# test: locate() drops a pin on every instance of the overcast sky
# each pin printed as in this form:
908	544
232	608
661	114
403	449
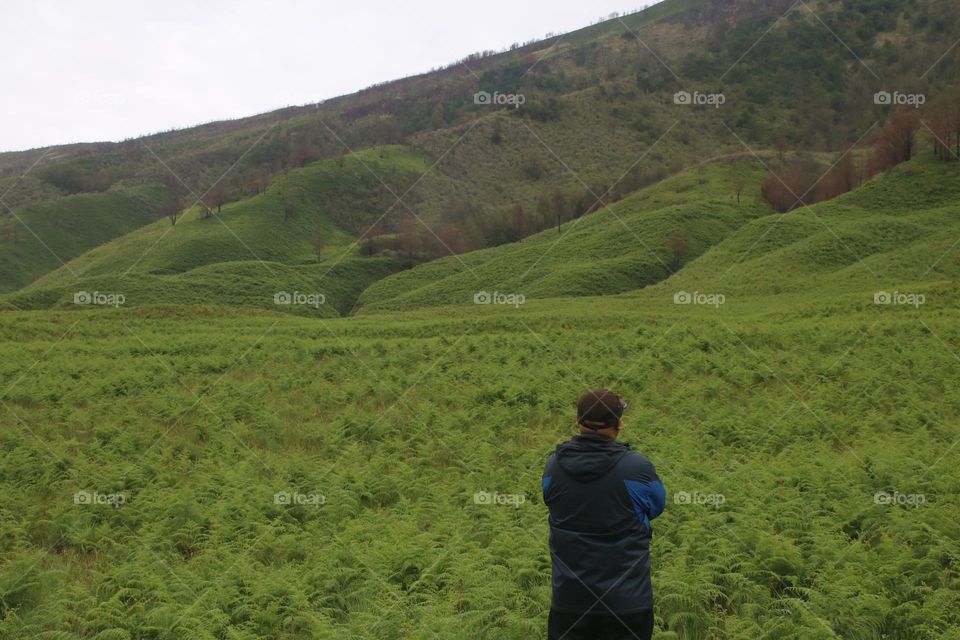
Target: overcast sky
110	69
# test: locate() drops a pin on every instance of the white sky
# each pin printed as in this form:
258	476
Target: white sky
109	69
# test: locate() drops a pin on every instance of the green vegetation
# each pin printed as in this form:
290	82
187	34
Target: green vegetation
65	228
797	414
181	470
214	450
624	247
596	102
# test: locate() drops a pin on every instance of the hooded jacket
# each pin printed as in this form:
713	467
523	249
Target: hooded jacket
602	497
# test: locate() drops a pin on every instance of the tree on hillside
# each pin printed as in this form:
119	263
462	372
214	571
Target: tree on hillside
841	179
518	220
10	231
781	146
450	240
787	188
895	143
218	196
174	199
944	123
739	184
302	153
559	204
287	205
257	181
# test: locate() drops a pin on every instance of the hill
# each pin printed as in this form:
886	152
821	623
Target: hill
631	244
42	235
595	102
896	226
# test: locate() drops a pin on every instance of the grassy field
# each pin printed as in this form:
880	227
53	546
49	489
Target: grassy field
246	474
174	469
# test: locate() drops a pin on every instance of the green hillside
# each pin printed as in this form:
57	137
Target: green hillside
626	246
41	235
896	229
287	239
281	225
597	100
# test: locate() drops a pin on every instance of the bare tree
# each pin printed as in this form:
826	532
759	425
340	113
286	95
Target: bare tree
781	146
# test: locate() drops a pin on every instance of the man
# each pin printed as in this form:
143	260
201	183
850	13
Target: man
602	497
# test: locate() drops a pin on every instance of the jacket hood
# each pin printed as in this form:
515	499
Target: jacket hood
588	457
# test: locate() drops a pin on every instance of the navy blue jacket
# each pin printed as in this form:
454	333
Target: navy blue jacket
602	497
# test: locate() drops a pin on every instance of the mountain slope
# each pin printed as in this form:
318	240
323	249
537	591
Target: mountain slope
896	228
899	228
633	243
42	235
596	101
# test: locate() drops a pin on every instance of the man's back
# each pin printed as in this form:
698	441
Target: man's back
602	497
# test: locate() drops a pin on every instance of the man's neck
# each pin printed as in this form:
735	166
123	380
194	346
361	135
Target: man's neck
609	434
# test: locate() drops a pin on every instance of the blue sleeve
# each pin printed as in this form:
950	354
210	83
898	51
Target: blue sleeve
648	497
547	477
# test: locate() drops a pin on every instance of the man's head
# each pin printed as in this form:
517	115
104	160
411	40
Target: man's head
600	411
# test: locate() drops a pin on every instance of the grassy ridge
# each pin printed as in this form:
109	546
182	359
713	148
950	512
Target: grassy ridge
624	247
288	239
261	227
896	229
899	227
65	228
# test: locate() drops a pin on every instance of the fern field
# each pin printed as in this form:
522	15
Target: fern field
205	473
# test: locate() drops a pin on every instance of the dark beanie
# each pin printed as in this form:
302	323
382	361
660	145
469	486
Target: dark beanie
599	409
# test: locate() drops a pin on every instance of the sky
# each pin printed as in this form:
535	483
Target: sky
110	70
